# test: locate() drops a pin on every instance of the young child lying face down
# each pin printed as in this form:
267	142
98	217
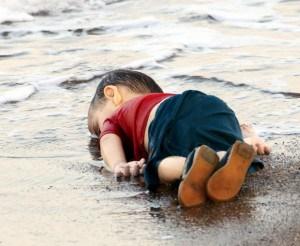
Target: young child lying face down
172	137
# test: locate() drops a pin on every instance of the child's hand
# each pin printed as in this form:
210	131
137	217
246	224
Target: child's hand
259	145
127	169
252	138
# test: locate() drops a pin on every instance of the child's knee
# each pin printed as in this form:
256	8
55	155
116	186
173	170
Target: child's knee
170	168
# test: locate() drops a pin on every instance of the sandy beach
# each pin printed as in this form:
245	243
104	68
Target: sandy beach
53	188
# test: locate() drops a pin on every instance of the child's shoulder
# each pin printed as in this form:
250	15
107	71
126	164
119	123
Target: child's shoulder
143	101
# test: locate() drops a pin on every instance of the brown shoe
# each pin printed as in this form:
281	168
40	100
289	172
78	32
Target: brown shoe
226	182
198	168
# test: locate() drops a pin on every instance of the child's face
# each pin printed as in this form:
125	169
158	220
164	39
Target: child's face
115	97
98	116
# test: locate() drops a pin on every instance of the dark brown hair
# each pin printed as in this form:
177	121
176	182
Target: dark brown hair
136	81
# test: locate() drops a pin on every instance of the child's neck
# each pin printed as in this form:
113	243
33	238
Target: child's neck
129	96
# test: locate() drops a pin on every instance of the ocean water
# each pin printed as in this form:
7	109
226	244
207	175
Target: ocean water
52	54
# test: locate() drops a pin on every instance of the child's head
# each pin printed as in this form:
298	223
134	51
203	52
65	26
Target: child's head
115	88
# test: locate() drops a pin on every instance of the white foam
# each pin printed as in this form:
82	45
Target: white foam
125	25
17	94
279	129
22	10
13	15
42	82
151	62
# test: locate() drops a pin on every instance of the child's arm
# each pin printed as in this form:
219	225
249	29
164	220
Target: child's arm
113	155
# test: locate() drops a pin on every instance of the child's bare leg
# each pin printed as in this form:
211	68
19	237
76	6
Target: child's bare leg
198	167
170	169
251	137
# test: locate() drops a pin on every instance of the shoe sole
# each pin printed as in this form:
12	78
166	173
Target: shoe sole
226	182
192	189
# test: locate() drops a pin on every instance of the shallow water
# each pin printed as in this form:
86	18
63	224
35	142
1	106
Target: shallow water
51	57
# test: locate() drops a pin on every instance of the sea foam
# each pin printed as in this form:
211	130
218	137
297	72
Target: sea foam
26	10
9	15
17	94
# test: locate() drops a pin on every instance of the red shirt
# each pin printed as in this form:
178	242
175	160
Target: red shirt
129	123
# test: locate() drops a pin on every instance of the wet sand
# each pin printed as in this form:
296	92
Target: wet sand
266	212
82	204
53	190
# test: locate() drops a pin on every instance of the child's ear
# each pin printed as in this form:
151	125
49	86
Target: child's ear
112	93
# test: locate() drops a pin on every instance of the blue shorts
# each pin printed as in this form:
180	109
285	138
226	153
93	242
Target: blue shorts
186	121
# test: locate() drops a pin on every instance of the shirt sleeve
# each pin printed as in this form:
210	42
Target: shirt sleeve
110	125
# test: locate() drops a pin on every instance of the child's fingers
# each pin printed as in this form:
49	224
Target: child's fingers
134	169
262	149
117	172
142	170
255	148
258	149
126	171
267	150
122	171
141	162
